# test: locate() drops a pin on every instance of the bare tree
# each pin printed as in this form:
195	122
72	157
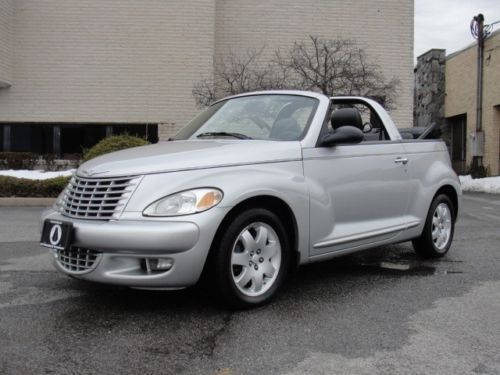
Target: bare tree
336	67
235	75
333	67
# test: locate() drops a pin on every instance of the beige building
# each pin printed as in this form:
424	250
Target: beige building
445	94
73	71
460	102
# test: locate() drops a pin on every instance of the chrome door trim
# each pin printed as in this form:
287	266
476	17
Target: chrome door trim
362	236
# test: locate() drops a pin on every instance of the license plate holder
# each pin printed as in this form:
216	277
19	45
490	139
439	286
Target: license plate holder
56	234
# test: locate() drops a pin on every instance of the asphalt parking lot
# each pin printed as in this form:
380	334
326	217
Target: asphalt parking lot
380	312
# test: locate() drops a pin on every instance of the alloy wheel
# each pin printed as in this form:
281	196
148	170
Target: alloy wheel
441	226
256	259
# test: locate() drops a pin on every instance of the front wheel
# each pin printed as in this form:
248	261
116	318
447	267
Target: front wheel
252	259
439	228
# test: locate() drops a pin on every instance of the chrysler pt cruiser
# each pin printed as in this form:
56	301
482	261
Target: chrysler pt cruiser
251	188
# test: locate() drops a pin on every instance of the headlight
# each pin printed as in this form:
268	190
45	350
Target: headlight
185	202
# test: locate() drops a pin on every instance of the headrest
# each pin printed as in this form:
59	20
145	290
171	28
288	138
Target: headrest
347	116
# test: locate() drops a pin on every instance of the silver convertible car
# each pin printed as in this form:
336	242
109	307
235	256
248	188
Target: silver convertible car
251	188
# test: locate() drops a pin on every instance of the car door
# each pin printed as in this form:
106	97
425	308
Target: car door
358	195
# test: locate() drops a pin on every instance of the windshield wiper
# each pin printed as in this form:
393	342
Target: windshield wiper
222	134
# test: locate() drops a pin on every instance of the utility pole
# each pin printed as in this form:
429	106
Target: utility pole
477	31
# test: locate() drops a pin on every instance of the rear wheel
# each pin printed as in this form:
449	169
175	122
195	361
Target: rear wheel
252	259
439	228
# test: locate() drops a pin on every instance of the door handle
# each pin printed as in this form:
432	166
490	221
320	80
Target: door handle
401	160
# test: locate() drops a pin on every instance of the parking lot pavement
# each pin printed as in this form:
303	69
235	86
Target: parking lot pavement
380	312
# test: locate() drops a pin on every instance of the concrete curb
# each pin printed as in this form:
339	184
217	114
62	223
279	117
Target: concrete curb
26	202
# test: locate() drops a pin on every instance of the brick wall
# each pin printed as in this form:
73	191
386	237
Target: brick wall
383	28
6	47
491	103
461	95
108	61
125	61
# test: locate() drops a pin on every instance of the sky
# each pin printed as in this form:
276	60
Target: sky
446	23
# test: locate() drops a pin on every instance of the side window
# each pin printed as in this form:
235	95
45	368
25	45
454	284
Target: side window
360	116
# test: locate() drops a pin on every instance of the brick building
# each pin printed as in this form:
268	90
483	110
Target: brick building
73	71
446	94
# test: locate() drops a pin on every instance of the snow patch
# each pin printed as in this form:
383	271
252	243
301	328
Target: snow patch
481	185
35	175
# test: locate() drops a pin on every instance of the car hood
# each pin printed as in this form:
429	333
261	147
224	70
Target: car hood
185	155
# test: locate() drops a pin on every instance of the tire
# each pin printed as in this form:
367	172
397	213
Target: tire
436	238
251	260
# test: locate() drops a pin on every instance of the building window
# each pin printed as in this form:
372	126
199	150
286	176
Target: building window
2	144
75	139
31	138
150	132
65	140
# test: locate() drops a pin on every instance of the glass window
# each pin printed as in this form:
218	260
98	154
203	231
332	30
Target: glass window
31	138
1	138
148	131
268	117
74	138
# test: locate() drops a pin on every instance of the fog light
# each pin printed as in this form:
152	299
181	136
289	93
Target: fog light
158	264
162	264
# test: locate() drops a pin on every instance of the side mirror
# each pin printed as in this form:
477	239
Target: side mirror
343	134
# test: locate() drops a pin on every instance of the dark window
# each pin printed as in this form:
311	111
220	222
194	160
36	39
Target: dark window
75	139
67	139
31	138
148	131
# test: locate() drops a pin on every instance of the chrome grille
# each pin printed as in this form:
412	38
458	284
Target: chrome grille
97	198
77	259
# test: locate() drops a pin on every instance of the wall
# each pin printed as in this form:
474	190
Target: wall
125	61
430	88
461	80
491	102
6	47
384	29
110	61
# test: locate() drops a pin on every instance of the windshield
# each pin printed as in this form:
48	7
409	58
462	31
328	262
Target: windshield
265	117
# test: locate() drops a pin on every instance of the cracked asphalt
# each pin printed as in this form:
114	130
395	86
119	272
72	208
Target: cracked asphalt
384	311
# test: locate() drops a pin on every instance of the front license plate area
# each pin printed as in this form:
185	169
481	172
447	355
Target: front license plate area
56	234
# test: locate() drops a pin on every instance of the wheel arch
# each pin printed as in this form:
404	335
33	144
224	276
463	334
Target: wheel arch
451	193
272	203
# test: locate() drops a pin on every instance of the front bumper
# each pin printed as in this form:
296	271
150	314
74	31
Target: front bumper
123	245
